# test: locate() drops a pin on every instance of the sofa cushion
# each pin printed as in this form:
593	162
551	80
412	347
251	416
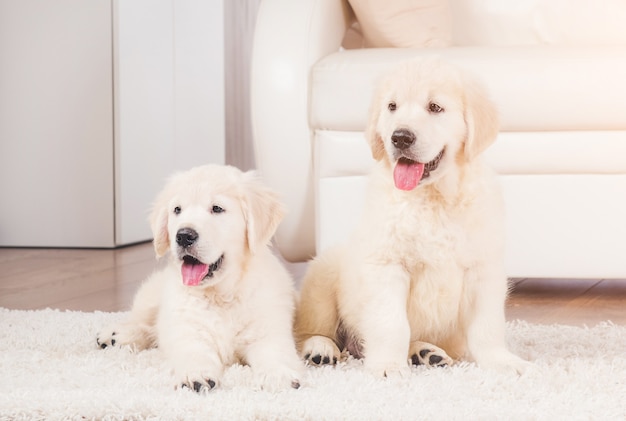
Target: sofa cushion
403	23
536	88
551	22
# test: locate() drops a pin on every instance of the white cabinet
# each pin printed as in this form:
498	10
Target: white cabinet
99	102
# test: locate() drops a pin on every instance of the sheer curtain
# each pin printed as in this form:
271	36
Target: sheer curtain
239	19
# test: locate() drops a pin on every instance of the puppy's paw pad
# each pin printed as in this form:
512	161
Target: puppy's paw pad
320	350
199	385
106	339
318	359
431	356
119	336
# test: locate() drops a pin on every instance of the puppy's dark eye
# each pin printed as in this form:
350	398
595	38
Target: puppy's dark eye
392	106
217	209
177	210
435	108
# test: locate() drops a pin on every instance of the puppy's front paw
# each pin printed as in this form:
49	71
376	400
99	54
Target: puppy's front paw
422	353
320	350
387	369
125	334
198	382
277	378
107	338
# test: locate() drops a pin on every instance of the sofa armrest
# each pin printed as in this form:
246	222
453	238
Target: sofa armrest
290	37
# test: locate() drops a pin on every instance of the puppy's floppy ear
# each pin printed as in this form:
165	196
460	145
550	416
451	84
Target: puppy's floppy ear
481	118
262	211
158	223
374	139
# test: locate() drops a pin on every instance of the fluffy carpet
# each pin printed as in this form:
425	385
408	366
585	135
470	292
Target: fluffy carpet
51	368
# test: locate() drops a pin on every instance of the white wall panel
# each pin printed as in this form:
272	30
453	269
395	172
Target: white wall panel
144	110
100	101
56	133
199	81
169	100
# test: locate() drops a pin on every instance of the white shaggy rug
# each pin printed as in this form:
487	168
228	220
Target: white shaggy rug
51	368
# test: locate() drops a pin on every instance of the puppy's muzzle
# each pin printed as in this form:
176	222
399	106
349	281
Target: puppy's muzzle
186	237
402	138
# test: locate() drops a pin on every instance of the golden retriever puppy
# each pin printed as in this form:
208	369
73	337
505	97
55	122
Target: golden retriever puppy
223	297
425	263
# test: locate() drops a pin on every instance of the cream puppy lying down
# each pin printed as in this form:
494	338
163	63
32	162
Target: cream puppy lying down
224	298
425	264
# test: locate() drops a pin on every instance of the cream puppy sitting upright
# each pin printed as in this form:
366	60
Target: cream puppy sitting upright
421	280
223	297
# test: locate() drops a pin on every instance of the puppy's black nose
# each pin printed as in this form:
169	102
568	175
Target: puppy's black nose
186	237
402	138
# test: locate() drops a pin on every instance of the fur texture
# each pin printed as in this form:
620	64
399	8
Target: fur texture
223	298
421	280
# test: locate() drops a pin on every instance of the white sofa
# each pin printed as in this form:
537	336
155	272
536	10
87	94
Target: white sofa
560	87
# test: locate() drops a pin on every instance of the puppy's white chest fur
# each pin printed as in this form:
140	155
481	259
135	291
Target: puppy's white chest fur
215	317
432	241
419	228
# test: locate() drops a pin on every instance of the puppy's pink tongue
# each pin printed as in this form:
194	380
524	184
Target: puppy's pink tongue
407	174
193	273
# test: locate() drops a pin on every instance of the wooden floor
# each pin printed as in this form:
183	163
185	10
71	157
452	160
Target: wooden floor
105	280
